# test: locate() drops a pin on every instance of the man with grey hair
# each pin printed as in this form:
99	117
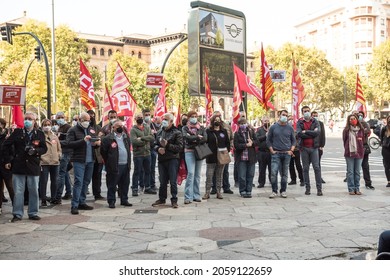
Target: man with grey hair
168	144
24	148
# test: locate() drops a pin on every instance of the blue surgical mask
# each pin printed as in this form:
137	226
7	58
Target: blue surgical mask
243	126
360	118
147	119
283	119
306	115
61	121
28	124
193	120
164	123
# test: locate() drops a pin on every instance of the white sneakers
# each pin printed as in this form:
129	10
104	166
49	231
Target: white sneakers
274	194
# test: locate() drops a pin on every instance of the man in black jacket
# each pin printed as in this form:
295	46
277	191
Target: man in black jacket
115	150
322	139
25	147
263	154
83	141
168	144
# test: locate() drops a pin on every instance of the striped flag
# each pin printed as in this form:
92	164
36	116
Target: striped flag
267	86
107	106
360	100
207	90
121	82
161	105
86	88
298	92
178	116
237	99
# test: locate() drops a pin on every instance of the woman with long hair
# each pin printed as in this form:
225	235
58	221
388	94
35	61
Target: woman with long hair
353	135
217	140
385	140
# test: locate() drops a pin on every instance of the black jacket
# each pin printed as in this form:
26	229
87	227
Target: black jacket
17	146
192	140
322	138
261	139
62	132
313	132
75	141
240	140
110	152
174	145
223	142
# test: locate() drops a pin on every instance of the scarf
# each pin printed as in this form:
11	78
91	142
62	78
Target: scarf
193	128
352	139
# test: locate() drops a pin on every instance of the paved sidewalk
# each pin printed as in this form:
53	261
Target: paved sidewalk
335	226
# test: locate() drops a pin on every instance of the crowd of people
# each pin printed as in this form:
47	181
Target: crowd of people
55	148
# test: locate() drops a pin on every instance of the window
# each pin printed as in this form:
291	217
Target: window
132	53
139	55
109	52
382	21
357	56
93	51
86	50
101	52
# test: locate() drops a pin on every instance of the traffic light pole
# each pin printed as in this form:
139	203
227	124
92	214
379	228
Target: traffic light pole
47	69
25	79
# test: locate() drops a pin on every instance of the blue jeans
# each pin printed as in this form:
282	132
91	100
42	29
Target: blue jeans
82	177
122	179
63	177
194	167
353	173
53	170
168	173
310	155
19	183
246	172
279	162
141	170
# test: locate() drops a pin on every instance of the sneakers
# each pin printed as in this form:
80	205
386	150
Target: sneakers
260	186
197	200
85	207
187	201
158	202
273	194
292	183
370	187
247	195
74	211
283	194
150	191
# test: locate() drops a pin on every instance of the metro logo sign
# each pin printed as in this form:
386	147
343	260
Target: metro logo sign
12	95
154	80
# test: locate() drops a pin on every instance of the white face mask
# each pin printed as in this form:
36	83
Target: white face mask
46	128
85	124
74	123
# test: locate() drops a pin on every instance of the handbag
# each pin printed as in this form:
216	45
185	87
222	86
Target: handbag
223	156
367	149
202	151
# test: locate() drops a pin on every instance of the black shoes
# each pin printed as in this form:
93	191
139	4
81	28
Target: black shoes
135	193
128	204
158	202
15	219
67	197
34	218
307	192
292	183
345	180
111	205
228	191
302	184
388	185
99	197
174	204
44	203
319	193
260	186
213	191
85	207
5	200
150	191
56	201
74	211
370	187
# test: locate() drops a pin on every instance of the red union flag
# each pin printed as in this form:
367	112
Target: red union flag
237	99
244	83
121	82
360	100
207	90
161	105
178	116
107	106
86	88
267	86
123	103
298	92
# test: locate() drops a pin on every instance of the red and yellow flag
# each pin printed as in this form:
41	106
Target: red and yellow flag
360	100
207	90
237	99
298	92
267	86
86	88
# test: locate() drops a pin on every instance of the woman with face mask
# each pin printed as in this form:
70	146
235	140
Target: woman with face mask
353	135
193	134
50	162
385	140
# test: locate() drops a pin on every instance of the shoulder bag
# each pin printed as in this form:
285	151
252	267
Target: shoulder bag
223	156
202	151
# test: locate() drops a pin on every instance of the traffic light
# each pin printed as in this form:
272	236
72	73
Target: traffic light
6	33
37	52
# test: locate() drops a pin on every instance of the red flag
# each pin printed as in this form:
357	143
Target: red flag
244	83
107	106
360	100
17	116
123	103
121	82
237	99
86	88
298	92
178	116
182	174
161	105
207	90
267	86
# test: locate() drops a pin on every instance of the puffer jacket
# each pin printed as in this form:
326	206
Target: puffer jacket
53	154
110	152
75	141
174	146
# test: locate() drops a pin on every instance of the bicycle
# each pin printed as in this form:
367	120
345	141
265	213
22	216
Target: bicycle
374	143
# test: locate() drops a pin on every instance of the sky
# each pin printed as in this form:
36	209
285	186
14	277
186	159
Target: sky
270	22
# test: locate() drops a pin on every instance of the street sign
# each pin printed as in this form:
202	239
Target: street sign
12	95
278	75
154	80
